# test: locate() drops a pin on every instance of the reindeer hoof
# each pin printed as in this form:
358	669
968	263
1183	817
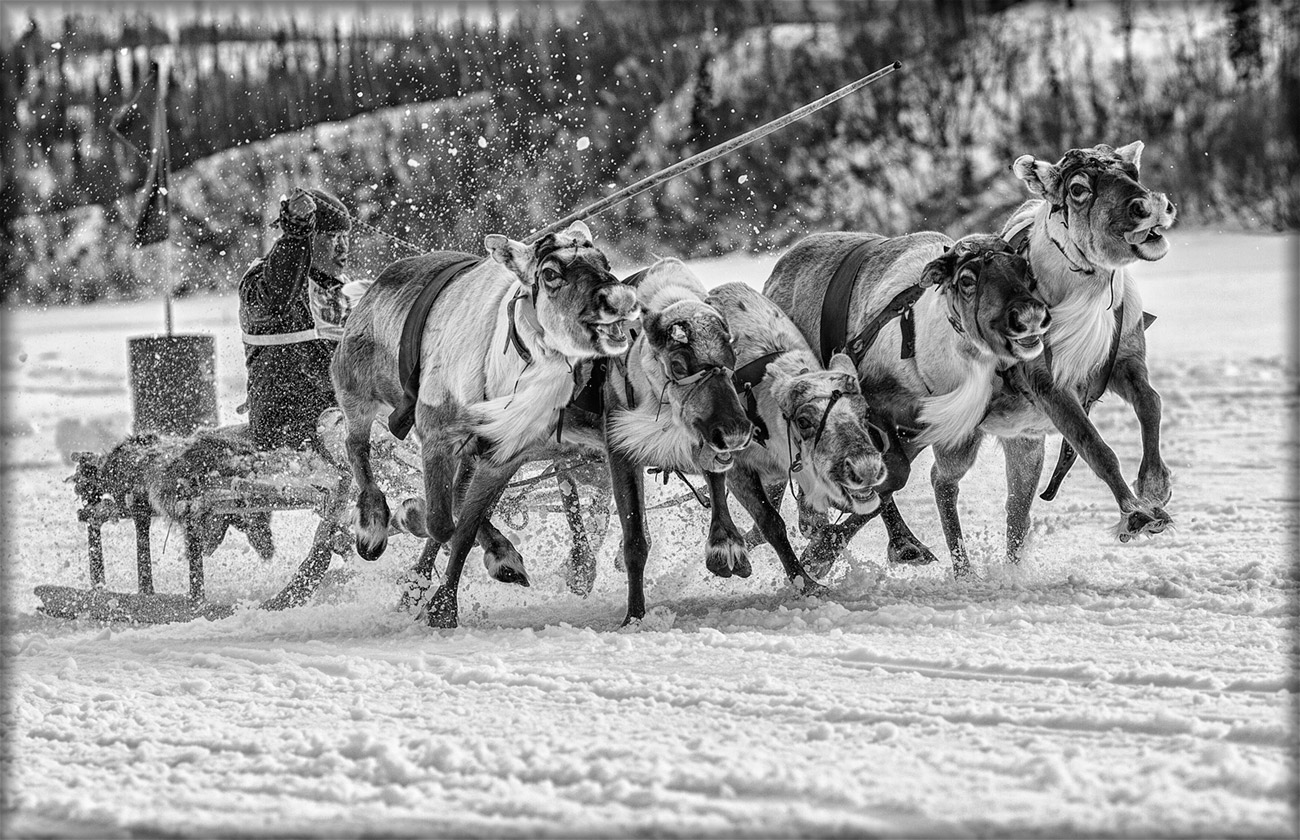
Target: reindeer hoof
370	524
507	567
371	549
909	553
1149	521
442	609
727	557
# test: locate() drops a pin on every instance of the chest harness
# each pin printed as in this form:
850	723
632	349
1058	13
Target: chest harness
588	397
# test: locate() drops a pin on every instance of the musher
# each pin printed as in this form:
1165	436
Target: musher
291	310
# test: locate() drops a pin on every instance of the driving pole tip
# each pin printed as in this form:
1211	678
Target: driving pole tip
898	65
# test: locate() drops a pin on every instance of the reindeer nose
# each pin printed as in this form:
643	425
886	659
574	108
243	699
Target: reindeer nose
1025	314
1139	209
1170	209
863	471
617	299
727	437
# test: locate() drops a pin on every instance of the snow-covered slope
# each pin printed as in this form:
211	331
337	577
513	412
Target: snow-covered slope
1098	688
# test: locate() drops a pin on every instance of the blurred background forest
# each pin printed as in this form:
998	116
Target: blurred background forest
438	123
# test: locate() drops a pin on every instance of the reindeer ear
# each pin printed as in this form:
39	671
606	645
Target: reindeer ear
1132	153
580	230
841	363
515	256
1042	179
939	271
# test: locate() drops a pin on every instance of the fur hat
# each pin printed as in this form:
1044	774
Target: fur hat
331	215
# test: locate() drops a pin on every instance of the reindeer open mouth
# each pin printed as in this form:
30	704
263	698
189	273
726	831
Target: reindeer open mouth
612	335
1025	346
1148	243
860	500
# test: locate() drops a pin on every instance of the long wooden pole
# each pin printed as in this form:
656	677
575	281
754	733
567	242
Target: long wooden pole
708	154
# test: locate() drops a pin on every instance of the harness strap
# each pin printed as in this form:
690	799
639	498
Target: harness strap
591	398
512	335
402	417
273	339
746	378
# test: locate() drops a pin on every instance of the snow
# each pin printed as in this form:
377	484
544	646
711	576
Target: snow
1097	688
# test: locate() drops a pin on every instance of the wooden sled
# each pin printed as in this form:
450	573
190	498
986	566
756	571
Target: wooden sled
207	484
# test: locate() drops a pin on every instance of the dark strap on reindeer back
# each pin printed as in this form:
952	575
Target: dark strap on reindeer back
835	312
402	417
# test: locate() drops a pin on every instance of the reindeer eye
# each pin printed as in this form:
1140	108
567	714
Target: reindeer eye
552	276
1079	190
678	368
967	280
803	423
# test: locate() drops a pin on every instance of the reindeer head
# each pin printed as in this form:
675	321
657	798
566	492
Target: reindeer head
990	293
690	365
582	309
840	452
1107	215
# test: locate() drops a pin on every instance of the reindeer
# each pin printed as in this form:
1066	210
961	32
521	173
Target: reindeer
816	430
496	364
669	402
961	312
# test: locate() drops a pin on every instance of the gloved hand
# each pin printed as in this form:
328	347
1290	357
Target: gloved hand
297	213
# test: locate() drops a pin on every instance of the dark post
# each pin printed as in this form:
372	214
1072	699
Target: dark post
173	383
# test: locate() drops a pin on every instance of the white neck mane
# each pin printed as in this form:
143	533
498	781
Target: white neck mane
958	371
1082	304
524	400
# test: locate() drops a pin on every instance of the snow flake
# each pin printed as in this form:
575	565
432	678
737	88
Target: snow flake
583	142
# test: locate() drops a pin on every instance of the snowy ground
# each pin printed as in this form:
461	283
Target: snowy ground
1099	688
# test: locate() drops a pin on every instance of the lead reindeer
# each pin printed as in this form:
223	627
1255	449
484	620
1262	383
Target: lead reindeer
496	357
1091	221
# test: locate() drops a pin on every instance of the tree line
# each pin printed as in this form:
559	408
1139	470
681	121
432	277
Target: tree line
647	84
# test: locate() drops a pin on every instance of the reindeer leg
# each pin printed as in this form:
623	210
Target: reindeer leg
950	465
482	492
724	552
828	543
370	519
628	483
905	548
1064	410
748	488
775	493
1024	457
500	557
580	574
420	577
439	466
1131	382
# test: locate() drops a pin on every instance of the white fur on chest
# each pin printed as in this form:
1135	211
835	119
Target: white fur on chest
1082	330
661	442
524	400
